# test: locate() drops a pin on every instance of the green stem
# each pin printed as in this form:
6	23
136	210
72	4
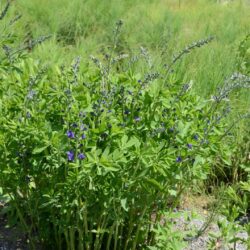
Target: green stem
121	236
66	235
99	229
104	226
86	229
80	235
72	238
110	236
138	228
129	230
116	235
56	234
24	223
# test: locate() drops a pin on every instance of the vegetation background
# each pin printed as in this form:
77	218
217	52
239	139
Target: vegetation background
169	25
161	26
158	29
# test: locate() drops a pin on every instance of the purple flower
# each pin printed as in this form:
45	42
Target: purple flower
27	179
67	92
28	114
126	112
179	159
171	129
204	141
83	136
81	156
83	127
31	94
70	134
74	125
137	119
196	137
70	155
189	145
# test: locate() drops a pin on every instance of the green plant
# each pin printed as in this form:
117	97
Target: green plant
227	237
244	55
167	235
233	218
89	154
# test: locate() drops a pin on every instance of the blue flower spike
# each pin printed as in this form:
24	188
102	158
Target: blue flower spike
70	134
137	119
179	159
70	155
196	137
81	156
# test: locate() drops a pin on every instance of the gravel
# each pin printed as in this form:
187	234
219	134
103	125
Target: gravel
201	242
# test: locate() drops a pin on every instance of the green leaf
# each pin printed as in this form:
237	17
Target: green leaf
154	183
124	204
198	160
172	192
38	150
117	154
32	184
132	142
124	140
183	128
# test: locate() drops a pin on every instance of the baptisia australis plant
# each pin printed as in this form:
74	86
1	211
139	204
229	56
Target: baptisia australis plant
103	150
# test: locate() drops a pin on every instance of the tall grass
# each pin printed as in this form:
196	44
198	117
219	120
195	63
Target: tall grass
82	27
163	27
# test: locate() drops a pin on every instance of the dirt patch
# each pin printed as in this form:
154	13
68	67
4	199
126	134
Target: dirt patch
11	238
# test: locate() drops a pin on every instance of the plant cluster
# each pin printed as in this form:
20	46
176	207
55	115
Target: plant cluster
90	156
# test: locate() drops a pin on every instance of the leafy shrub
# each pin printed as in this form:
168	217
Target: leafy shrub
237	168
89	155
244	55
167	235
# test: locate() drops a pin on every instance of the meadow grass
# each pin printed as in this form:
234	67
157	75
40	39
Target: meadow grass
163	27
83	27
